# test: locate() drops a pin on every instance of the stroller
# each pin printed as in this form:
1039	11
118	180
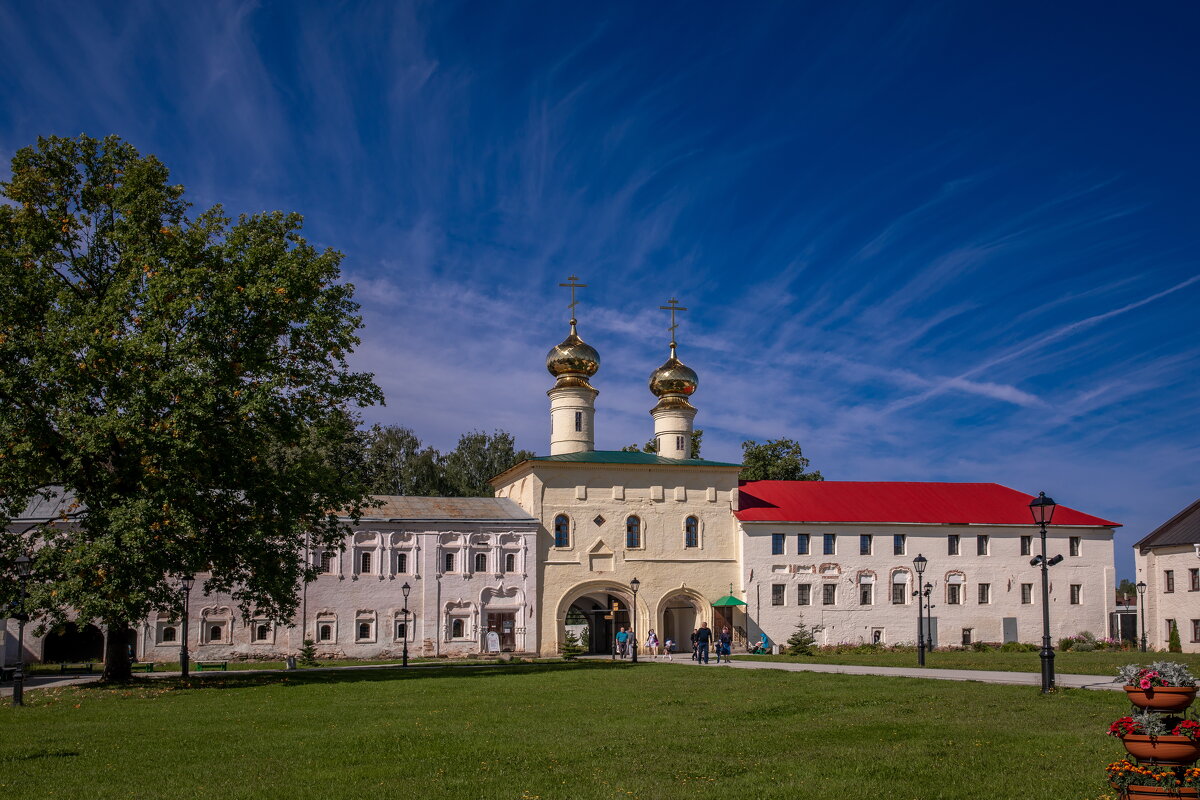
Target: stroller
763	647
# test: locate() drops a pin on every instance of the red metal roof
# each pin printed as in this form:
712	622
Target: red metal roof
883	501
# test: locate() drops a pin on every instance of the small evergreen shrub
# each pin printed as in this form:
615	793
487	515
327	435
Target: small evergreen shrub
308	653
1173	644
803	641
1018	647
570	647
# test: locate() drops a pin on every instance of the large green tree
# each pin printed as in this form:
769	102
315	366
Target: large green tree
775	460
184	376
397	463
478	457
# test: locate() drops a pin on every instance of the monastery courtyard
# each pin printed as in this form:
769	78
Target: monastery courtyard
590	729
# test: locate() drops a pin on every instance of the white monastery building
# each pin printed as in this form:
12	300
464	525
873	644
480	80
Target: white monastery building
598	539
1168	563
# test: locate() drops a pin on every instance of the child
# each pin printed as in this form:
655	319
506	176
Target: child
668	648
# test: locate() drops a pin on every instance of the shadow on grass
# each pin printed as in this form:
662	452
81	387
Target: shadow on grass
39	754
335	676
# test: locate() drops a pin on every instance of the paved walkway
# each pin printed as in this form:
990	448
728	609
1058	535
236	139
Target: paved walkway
983	676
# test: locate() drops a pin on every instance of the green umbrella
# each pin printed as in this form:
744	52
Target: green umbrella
728	600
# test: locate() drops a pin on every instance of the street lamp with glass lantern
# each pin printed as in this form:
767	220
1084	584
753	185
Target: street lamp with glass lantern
1141	587
1042	508
24	566
186	583
634	584
919	564
405	589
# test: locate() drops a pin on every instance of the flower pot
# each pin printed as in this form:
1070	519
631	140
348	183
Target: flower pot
1162	698
1162	749
1157	793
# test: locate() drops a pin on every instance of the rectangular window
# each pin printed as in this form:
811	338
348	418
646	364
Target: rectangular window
1075	540
1026	545
679	444
578	421
981	545
985	594
899	593
866	594
327	562
402	563
777	592
803	595
364	563
898	542
448	563
401	630
1169	580
776	544
1076	593
802	544
952	544
1196	630
864	544
1026	593
1194	580
967	635
830	544
829	594
953	594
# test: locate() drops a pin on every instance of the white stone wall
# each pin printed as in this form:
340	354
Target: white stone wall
1182	604
597	559
1004	569
349	597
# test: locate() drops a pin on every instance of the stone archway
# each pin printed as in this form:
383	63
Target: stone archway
70	643
679	613
590	605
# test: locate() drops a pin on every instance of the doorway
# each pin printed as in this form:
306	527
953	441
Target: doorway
70	643
504	625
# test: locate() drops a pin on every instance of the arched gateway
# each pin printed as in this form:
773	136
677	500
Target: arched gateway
595	612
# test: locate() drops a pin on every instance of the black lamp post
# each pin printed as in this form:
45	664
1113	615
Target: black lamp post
1042	508
187	582
24	567
405	589
634	584
1141	587
919	565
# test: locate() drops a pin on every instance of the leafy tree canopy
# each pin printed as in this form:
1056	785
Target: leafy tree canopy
185	377
398	463
775	460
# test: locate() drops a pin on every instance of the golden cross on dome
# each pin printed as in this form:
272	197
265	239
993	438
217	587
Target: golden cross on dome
673	306
572	283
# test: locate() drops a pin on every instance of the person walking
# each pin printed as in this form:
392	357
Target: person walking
668	649
652	643
622	642
724	645
703	638
695	641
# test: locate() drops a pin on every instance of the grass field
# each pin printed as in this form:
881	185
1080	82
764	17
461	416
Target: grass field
571	731
1070	662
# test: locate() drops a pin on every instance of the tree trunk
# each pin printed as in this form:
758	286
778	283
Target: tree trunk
116	653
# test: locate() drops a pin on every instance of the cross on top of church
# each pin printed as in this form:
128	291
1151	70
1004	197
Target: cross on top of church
673	306
574	285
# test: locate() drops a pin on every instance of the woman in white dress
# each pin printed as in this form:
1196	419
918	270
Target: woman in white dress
652	643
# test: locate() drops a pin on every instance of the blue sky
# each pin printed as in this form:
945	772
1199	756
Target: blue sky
930	241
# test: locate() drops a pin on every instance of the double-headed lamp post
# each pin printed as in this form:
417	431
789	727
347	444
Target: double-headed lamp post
186	582
405	589
919	565
634	584
1042	508
1141	587
24	568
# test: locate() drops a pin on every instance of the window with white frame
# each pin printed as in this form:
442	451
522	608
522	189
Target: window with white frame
899	588
214	631
802	544
954	589
364	628
691	532
261	632
402	563
864	544
1076	594
1075	544
829	594
167	634
510	562
481	562
562	531
777	543
326	628
364	563
778	591
459	628
866	590
448	562
830	544
1026	593
327	562
952	544
804	594
1026	545
981	544
985	594
899	542
633	532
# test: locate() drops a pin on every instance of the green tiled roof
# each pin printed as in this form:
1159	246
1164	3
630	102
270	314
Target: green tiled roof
630	457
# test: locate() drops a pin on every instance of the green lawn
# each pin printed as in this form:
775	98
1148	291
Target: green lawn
1070	662
173	666
571	731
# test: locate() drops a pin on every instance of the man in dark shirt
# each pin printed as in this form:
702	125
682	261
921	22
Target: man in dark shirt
703	637
695	640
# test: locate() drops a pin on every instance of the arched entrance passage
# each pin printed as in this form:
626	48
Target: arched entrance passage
680	612
68	642
589	608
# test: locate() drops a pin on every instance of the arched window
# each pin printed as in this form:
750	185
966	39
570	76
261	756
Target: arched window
510	562
327	562
691	532
364	563
481	562
448	563
456	629
214	633
633	532
364	630
168	634
325	633
562	531
402	563
261	632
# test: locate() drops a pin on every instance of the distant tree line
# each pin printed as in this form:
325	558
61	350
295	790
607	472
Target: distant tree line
396	462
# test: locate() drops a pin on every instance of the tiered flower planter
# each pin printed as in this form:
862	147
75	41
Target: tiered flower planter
1161	751
1162	698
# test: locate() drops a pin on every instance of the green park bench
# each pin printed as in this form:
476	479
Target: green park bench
77	668
7	671
201	666
142	666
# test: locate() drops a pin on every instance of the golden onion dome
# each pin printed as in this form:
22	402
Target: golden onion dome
573	356
673	377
